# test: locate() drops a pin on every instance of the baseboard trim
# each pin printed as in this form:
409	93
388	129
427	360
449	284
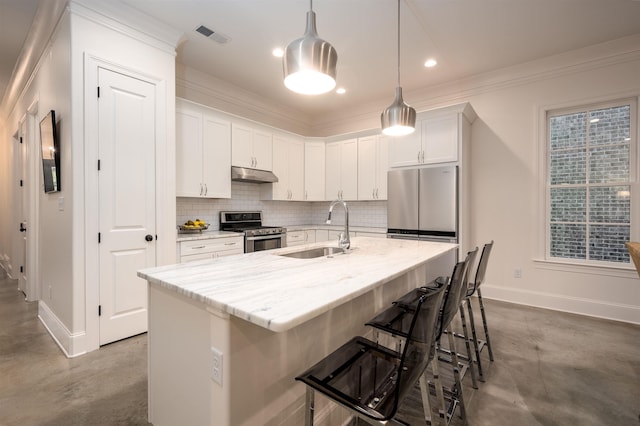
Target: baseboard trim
71	344
574	305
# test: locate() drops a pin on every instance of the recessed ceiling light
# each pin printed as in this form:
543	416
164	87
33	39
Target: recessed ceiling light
341	91
430	63
278	52
594	120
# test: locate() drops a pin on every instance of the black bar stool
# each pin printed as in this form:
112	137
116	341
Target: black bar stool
371	380
394	322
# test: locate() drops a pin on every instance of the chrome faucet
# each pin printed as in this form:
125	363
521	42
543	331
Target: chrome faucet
344	242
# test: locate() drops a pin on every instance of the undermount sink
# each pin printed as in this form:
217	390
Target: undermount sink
314	252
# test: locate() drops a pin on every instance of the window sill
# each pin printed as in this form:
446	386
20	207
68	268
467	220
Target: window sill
622	271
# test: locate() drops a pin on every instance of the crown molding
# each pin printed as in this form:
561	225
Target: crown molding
194	85
619	51
129	21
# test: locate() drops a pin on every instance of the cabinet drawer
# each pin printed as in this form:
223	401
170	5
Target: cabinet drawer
210	245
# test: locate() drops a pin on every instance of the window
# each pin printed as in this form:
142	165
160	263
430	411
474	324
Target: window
591	168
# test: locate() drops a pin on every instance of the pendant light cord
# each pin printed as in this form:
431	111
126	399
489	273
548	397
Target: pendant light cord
398	43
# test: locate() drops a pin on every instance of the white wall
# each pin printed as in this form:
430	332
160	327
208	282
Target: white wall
85	36
504	165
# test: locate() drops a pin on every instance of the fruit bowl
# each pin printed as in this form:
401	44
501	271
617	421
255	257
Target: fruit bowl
193	228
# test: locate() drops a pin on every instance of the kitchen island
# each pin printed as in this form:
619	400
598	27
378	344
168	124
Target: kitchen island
227	336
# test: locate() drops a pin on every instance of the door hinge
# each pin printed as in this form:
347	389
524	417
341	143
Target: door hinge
21	182
21	269
98	164
99	238
98	91
99	310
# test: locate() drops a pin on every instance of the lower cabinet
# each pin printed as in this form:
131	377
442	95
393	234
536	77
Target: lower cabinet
210	248
296	238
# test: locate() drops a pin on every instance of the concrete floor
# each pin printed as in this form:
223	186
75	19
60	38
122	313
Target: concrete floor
551	368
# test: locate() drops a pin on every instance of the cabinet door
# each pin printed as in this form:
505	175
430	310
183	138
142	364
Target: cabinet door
241	145
262	150
367	168
295	238
349	169
296	170
333	169
314	171
405	150
382	167
440	139
188	152
322	235
280	168
216	156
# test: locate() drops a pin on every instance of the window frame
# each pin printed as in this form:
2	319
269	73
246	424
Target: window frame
634	165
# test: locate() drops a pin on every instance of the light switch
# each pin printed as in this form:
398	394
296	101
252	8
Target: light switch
61	203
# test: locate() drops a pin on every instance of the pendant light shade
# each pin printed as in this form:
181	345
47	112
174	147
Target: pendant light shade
398	118
310	62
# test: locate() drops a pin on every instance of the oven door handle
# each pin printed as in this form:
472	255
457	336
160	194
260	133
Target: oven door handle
265	237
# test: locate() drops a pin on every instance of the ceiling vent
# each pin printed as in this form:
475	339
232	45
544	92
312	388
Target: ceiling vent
213	35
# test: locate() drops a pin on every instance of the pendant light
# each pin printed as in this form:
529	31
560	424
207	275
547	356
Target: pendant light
399	118
310	62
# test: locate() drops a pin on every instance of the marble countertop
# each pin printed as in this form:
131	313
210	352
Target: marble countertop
279	293
192	236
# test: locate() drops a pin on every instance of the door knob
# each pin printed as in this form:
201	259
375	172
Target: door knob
148	237
22	228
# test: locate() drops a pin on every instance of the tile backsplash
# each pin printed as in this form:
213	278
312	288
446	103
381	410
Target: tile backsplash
246	196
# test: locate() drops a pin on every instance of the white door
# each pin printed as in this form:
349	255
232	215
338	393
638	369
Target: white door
126	147
24	209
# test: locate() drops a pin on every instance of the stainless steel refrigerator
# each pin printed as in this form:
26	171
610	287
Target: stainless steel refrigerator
423	204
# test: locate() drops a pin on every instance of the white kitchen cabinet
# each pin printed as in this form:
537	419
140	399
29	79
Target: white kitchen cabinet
334	235
297	238
314	171
341	178
250	147
373	164
210	248
322	235
203	152
288	166
437	139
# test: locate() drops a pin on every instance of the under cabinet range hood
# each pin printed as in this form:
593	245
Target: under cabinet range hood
244	174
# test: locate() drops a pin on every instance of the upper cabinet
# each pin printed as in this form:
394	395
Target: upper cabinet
252	148
288	166
341	178
373	164
437	139
203	152
314	171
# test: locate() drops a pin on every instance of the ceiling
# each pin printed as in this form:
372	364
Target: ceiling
466	37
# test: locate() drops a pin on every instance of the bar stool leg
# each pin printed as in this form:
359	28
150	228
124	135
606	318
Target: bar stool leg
310	407
474	335
435	368
484	323
472	368
426	405
456	375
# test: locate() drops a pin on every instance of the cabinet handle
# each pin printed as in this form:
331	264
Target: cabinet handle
419	156
422	157
229	244
206	189
377	194
201	190
198	247
306	195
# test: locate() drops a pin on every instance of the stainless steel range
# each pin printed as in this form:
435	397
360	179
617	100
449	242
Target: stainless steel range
256	236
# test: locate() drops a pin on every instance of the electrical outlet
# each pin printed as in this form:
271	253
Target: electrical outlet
517	273
216	370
